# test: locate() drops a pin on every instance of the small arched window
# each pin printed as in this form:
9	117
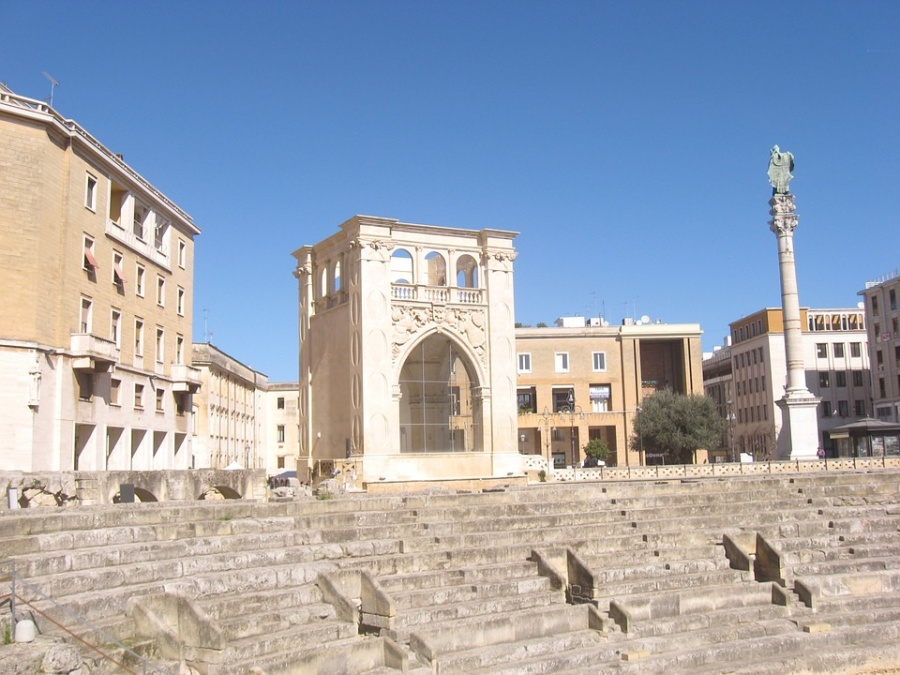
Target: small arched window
435	270
401	267
337	276
466	272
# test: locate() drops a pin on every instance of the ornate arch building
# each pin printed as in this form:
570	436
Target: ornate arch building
407	351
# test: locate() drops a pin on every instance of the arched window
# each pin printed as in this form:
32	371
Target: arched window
439	409
323	282
435	270
401	267
466	272
337	276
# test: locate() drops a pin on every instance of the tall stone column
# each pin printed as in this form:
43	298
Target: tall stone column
799	437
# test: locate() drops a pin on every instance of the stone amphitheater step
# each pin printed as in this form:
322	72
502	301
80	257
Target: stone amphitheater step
225	606
472	574
318	633
871	523
495	657
411	619
448	593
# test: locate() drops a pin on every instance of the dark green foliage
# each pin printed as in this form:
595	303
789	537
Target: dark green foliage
677	425
597	448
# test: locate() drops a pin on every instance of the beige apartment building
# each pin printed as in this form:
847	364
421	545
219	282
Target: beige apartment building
836	360
883	320
229	426
96	272
577	382
283	427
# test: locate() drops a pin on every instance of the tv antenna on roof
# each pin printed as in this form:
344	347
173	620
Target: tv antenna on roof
53	85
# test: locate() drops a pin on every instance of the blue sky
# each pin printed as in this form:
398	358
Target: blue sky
627	142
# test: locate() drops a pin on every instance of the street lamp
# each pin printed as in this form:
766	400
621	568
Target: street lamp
571	410
521	443
731	427
545	424
642	460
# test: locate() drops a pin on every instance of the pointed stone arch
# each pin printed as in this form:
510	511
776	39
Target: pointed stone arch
439	406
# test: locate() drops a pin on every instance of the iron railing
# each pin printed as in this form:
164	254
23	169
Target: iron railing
8	572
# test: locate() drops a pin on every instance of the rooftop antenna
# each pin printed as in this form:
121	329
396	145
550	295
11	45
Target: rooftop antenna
207	335
53	85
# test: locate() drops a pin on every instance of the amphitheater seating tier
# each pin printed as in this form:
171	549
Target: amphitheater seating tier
753	574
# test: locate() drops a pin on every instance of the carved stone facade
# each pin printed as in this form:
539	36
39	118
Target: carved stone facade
407	346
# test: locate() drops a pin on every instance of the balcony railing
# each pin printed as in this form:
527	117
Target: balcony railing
158	255
437	294
93	353
185	378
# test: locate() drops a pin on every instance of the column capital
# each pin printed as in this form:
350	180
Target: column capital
784	220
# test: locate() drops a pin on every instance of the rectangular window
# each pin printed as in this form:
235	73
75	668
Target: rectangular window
562	399
826	409
115	328
182	253
824	380
857	378
89	262
115	387
179	350
161	235
840	378
562	362
859	408
138	337
280	403
280	461
85	317
160	343
85	381
874	305
280	433
139	281
763	382
839	350
527	400
90	193
160	399
160	291
118	276
843	408
598	360
140	215
524	363
600	395
855	349
179	301
892	299
139	396
822	350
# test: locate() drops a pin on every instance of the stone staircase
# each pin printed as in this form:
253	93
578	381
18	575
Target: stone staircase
750	574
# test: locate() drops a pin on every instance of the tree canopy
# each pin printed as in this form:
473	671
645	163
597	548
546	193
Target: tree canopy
677	425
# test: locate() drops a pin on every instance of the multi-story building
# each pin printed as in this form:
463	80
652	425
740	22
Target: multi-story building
718	384
230	427
96	274
883	320
837	372
578	382
283	427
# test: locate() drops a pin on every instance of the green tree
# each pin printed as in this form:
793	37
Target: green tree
596	448
677	425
